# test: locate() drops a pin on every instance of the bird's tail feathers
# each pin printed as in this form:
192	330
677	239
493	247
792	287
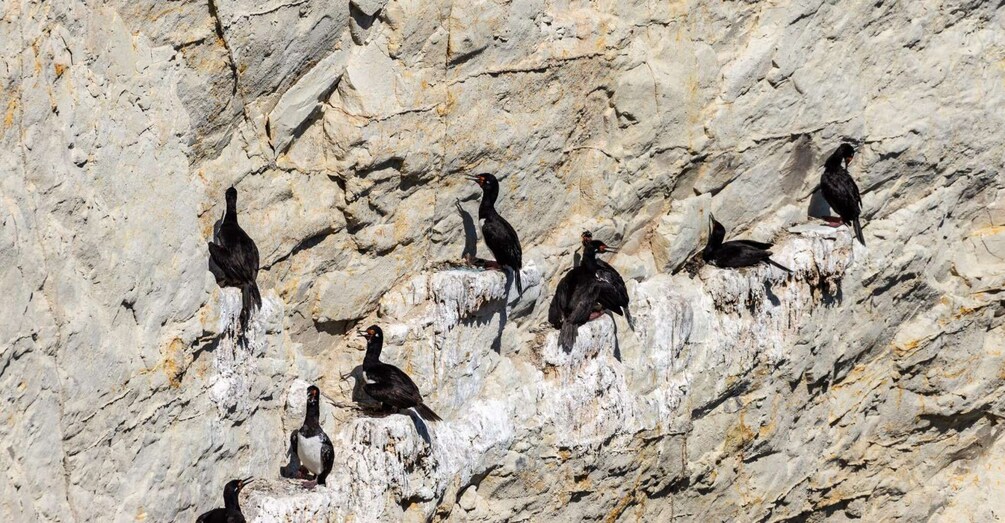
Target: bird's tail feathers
519	284
567	336
628	318
427	413
858	231
251	300
779	265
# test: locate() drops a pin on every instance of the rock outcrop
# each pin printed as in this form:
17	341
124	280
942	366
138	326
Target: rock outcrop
866	385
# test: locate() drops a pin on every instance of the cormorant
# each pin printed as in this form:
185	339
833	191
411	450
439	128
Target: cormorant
231	511
840	191
613	292
500	237
389	384
577	295
236	257
735	253
310	443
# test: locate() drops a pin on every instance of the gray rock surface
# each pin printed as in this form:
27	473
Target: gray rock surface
867	385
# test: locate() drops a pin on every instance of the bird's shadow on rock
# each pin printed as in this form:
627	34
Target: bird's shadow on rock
470	233
484	315
617	344
420	426
770	294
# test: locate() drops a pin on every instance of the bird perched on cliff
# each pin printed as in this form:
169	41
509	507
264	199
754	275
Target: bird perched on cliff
499	235
735	253
234	260
311	444
840	190
576	298
231	511
389	384
613	292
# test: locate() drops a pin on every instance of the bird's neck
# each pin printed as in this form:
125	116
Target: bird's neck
231	216
313	413
835	162
589	259
231	503
715	239
488	205
373	348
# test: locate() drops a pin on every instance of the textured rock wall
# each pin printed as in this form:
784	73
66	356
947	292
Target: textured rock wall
866	386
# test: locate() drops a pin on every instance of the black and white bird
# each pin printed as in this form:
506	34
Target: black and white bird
231	511
499	235
576	299
840	190
735	253
388	384
613	291
233	259
311	444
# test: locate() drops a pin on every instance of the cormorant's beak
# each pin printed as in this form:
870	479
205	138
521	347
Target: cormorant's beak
362	334
473	178
608	248
245	482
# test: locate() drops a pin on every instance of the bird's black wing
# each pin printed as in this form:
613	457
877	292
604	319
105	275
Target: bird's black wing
584	297
502	240
613	291
219	257
241	258
560	302
733	254
842	194
391	386
754	244
327	458
217	515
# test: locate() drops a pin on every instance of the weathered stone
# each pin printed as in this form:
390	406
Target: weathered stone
865	385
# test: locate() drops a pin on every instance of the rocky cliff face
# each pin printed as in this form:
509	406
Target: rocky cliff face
867	385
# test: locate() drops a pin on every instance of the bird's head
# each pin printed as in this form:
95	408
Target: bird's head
372	333
313	395
599	246
234	486
231	195
847	152
484	180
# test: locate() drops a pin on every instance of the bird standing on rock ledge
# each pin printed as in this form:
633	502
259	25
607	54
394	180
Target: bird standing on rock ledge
840	190
231	511
613	292
311	445
234	255
389	384
500	237
735	253
576	298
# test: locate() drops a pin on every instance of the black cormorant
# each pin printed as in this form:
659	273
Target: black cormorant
389	384
577	295
500	237
311	445
735	253
236	257
840	190
231	511
613	291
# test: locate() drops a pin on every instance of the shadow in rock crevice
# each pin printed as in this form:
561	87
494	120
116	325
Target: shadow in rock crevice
470	250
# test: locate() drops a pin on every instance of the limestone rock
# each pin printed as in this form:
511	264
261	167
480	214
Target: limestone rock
865	385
